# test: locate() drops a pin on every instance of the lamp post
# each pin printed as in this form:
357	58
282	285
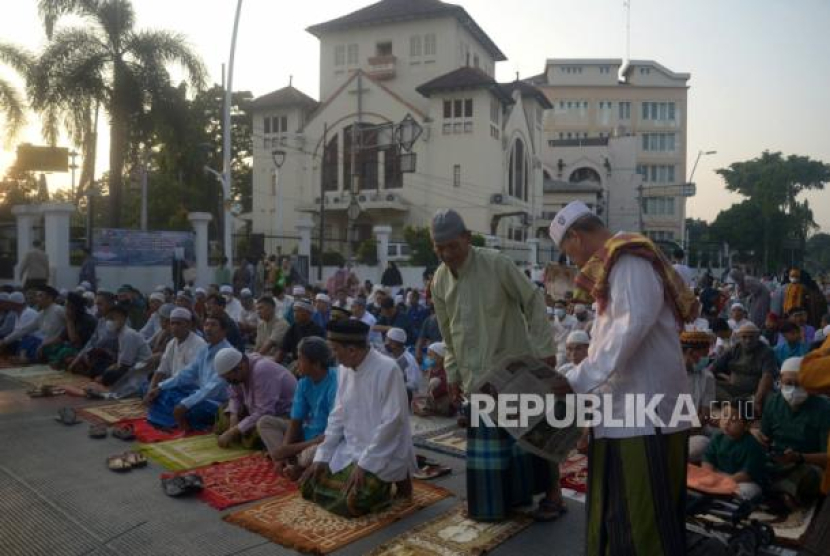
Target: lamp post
684	228
278	156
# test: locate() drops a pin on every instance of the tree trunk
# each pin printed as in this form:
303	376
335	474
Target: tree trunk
118	146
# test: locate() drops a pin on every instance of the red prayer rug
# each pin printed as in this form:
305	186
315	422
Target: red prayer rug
573	472
148	434
239	481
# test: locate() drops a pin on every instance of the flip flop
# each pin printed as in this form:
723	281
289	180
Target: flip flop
124	432
548	511
183	484
135	459
431	472
98	430
118	464
67	416
45	391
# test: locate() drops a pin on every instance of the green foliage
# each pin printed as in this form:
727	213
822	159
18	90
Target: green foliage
367	252
818	253
420	247
478	240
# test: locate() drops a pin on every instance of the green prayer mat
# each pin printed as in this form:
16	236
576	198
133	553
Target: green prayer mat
328	491
190	452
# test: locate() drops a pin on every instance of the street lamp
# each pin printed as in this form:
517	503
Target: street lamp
685	229
408	131
278	156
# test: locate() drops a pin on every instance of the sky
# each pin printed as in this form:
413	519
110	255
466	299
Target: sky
760	69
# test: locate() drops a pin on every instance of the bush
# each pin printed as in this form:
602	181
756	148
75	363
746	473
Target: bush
367	252
420	246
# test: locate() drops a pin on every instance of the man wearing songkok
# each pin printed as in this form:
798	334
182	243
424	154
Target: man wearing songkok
292	443
190	399
271	328
257	387
795	426
47	327
215	306
747	370
303	327
396	349
181	351
696	346
487	309
368	443
637	474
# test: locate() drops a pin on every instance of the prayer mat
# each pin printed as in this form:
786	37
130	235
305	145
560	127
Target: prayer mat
114	412
54	378
302	525
240	481
452	534
146	433
451	440
190	452
573	472
26	373
423	425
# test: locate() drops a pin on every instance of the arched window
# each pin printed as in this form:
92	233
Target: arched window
330	165
517	175
584	174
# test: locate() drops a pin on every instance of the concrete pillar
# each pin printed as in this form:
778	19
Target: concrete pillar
56	235
199	221
304	226
382	234
26	216
533	243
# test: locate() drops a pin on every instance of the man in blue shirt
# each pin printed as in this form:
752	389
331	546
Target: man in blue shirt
791	344
292	443
191	398
391	317
417	314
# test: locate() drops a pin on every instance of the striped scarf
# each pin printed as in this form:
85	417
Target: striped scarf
592	280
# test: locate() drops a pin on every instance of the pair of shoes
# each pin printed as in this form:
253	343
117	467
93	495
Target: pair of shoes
126	461
182	484
67	416
45	391
124	432
98	430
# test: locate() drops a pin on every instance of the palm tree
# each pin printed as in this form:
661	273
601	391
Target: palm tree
106	63
12	104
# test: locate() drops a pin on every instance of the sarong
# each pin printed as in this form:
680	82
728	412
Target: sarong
637	496
328	492
249	440
200	417
500	475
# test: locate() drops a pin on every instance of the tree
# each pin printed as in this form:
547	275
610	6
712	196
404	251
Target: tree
12	104
818	253
420	247
106	62
772	184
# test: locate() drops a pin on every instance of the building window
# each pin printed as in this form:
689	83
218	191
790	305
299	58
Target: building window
468	108
429	44
660	235
604	69
351	57
447	109
475	60
458	114
658	111
392	174
517	175
625	110
494	110
329	172
415	46
658	206
266	123
656	173
659	142
456	175
339	55
645	71
383	49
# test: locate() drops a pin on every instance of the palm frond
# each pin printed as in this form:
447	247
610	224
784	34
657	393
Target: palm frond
17	58
117	19
12	107
51	10
163	48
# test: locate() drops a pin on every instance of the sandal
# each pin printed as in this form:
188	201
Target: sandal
183	484
45	391
98	430
67	416
118	464
135	459
548	511
427	472
124	432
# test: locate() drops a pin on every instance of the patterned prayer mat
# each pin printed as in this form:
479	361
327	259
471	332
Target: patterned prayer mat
422	425
240	481
27	373
450	440
146	433
302	525
190	452
573	472
115	412
451	534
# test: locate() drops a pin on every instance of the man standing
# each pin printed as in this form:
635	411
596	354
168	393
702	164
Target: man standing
87	272
637	475
756	295
222	274
34	268
487	309
368	442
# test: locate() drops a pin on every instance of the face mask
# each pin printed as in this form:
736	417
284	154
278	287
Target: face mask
559	313
795	395
111	326
793	280
429	363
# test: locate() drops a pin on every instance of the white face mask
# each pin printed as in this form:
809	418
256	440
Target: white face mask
793	280
795	395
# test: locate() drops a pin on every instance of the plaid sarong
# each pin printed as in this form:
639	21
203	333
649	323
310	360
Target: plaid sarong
328	492
500	475
249	440
592	280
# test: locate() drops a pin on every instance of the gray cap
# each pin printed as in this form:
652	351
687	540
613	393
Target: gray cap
166	310
447	225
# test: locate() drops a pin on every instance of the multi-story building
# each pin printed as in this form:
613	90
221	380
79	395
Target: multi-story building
598	99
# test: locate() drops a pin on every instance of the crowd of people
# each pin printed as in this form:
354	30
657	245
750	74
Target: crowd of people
325	377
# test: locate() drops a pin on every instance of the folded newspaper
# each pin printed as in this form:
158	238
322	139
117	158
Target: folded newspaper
533	431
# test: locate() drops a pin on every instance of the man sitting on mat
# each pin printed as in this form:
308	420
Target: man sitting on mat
258	386
47	328
368	442
190	399
292	443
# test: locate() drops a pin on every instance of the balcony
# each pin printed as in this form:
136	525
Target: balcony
369	200
382	67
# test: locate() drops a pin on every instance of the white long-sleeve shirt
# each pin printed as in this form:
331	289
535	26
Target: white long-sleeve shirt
47	324
635	349
369	424
560	330
178	355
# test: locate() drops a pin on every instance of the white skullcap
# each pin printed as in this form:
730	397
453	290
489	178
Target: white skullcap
738	306
160	288
181	313
198	291
303	304
89	296
438	348
245	292
298	290
226	360
17	297
226	289
80	289
378	288
85	285
156	296
396	335
578	337
793	364
323	297
565	218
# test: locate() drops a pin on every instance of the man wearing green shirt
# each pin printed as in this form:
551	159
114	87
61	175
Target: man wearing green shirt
487	310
